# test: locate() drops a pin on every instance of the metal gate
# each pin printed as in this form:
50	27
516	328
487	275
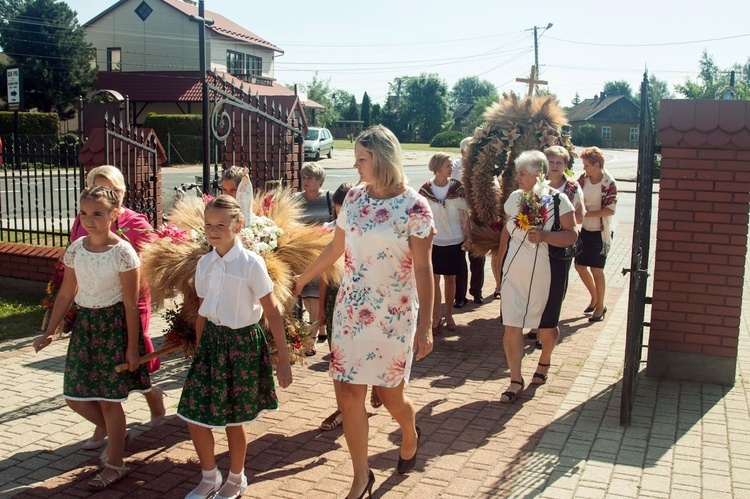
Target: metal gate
637	299
264	134
135	152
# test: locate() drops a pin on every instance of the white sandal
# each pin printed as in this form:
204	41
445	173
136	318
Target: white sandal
242	487
214	485
100	483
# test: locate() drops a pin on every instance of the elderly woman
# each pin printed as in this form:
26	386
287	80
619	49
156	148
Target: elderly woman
452	237
317	209
385	230
533	284
134	228
600	195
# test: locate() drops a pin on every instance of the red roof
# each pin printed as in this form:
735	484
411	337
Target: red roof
222	25
183	86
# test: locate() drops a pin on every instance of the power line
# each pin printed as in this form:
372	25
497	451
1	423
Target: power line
665	44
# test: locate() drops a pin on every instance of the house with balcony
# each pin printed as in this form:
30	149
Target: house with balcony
148	52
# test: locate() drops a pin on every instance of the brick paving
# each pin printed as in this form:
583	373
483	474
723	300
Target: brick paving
562	439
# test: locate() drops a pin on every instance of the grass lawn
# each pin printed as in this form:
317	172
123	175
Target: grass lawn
21	310
343	144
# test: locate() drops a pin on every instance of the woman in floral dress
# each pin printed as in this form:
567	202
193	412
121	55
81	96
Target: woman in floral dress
385	233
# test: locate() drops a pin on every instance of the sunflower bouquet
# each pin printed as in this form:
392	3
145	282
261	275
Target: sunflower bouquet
531	212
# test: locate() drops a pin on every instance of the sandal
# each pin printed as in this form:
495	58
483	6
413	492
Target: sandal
542	378
439	327
375	401
496	294
450	326
333	421
512	396
100	483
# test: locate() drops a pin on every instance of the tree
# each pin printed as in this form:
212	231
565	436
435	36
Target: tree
470	89
319	90
352	110
43	39
657	90
341	100
576	100
375	115
422	108
712	82
618	87
364	112
476	115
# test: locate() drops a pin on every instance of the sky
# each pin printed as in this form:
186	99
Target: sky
363	45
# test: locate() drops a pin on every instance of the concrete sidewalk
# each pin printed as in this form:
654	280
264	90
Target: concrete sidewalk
562	439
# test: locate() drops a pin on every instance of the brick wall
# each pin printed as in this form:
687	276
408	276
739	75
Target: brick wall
34	263
702	231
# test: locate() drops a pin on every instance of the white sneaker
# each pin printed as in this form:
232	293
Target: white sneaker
207	486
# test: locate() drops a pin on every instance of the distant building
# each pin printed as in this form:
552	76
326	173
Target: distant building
616	120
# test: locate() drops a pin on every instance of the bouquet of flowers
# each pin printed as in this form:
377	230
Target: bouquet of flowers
260	235
532	212
53	287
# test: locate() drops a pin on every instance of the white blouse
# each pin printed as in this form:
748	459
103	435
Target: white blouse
592	197
98	274
231	287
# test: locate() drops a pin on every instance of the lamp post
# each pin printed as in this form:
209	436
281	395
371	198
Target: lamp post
536	44
202	23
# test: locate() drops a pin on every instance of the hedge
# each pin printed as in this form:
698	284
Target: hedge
447	139
179	131
30	123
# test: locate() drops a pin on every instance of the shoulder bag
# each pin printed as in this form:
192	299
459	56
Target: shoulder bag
568	252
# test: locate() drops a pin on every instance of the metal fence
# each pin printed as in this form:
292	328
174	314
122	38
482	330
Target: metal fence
39	189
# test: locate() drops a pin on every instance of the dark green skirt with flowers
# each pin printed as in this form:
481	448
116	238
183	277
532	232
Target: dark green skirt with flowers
230	381
97	345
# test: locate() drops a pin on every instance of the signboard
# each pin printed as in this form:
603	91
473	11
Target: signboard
15	90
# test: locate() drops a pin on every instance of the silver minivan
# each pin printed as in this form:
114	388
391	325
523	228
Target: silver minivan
318	141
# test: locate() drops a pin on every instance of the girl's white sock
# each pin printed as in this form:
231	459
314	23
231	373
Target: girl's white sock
235	485
210	483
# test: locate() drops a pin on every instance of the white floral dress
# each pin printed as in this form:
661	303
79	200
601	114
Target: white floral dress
375	317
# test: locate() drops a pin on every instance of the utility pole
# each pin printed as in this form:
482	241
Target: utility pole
536	47
202	23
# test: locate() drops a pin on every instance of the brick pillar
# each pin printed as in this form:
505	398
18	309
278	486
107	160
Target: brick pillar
701	240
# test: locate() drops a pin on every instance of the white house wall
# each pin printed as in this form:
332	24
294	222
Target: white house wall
166	41
220	45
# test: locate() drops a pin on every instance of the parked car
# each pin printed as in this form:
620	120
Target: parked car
318	141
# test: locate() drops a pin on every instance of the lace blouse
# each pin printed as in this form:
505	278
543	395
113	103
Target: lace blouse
98	274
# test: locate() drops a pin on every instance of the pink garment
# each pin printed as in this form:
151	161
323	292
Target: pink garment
135	229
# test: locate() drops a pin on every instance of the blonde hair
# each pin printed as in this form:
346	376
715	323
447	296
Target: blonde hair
103	194
235	174
228	204
437	160
112	174
388	171
557	152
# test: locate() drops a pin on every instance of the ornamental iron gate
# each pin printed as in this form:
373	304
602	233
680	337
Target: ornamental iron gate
637	299
135	152
264	134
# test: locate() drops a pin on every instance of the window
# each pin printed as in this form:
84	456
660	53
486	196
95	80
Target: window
114	59
239	64
633	134
607	133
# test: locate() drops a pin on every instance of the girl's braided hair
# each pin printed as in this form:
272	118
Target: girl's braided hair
228	204
104	194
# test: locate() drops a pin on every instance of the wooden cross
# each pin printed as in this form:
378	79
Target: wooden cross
532	81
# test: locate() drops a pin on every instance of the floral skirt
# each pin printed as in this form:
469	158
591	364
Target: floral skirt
97	345
230	381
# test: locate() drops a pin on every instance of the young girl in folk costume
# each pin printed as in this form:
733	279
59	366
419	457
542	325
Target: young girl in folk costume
134	228
102	275
230	381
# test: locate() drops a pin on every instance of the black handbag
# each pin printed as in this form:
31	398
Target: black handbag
568	252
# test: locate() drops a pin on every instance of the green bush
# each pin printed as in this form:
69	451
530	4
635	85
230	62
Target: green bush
30	123
181	133
447	139
587	136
